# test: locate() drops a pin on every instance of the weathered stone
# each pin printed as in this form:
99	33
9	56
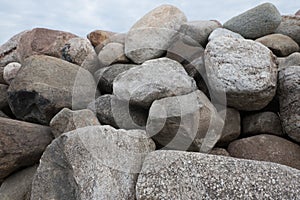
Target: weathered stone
289	98
98	36
256	22
106	76
112	111
232	126
22	144
186	175
95	162
117	38
264	122
18	185
219	32
3	95
269	148
290	26
199	30
219	152
10	71
67	120
153	80
45	85
2	81
150	37
231	68
187	122
281	45
291	60
112	53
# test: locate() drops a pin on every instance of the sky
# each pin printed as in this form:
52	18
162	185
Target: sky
83	16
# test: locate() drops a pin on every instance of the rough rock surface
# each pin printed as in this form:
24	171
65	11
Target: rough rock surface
99	36
10	71
95	162
290	26
267	148
150	37
231	68
112	53
45	85
3	95
219	32
281	45
291	60
289	98
219	152
264	122
154	79
188	122
2	81
67	120
22	144
18	185
117	38
186	175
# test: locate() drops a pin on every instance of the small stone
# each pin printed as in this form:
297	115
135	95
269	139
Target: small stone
219	32
290	26
98	36
3	95
291	60
10	71
112	53
219	152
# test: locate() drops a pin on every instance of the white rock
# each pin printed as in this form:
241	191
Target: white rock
10	71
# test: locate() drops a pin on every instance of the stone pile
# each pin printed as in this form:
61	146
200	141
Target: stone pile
139	115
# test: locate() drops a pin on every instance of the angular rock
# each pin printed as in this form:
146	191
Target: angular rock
10	71
219	32
18	185
256	22
67	120
3	95
112	53
289	98
291	60
219	152
112	111
45	85
187	122
232	126
95	162
231	68
290	26
150	37
186	175
106	76
281	45
22	144
199	30
269	148
98	36
264	122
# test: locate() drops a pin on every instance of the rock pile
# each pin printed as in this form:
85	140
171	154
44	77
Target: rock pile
136	115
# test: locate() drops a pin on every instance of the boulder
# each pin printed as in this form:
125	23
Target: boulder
67	120
150	37
153	80
256	22
22	144
112	53
3	95
95	162
231	68
18	185
96	37
281	45
116	38
45	85
219	32
10	71
187	175
289	98
298	12
187	122
120	114
290	26
269	148
263	122
291	60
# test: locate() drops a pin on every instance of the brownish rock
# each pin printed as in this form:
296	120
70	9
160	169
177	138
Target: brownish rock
98	36
298	12
22	144
2	81
267	148
219	151
3	95
290	26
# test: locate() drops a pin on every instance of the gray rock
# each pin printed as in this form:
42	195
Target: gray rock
289	98
116	38
45	85
2	114
3	95
120	114
256	22
150	37
95	162
264	122
291	60
199	30
18	185
112	53
219	152
231	68
22	144
269	148
281	45
298	12
67	120
154	79
186	175
187	122
2	81
106	76
10	71
97	37
290	26
219	32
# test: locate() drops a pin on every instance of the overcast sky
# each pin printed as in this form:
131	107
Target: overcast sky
83	16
